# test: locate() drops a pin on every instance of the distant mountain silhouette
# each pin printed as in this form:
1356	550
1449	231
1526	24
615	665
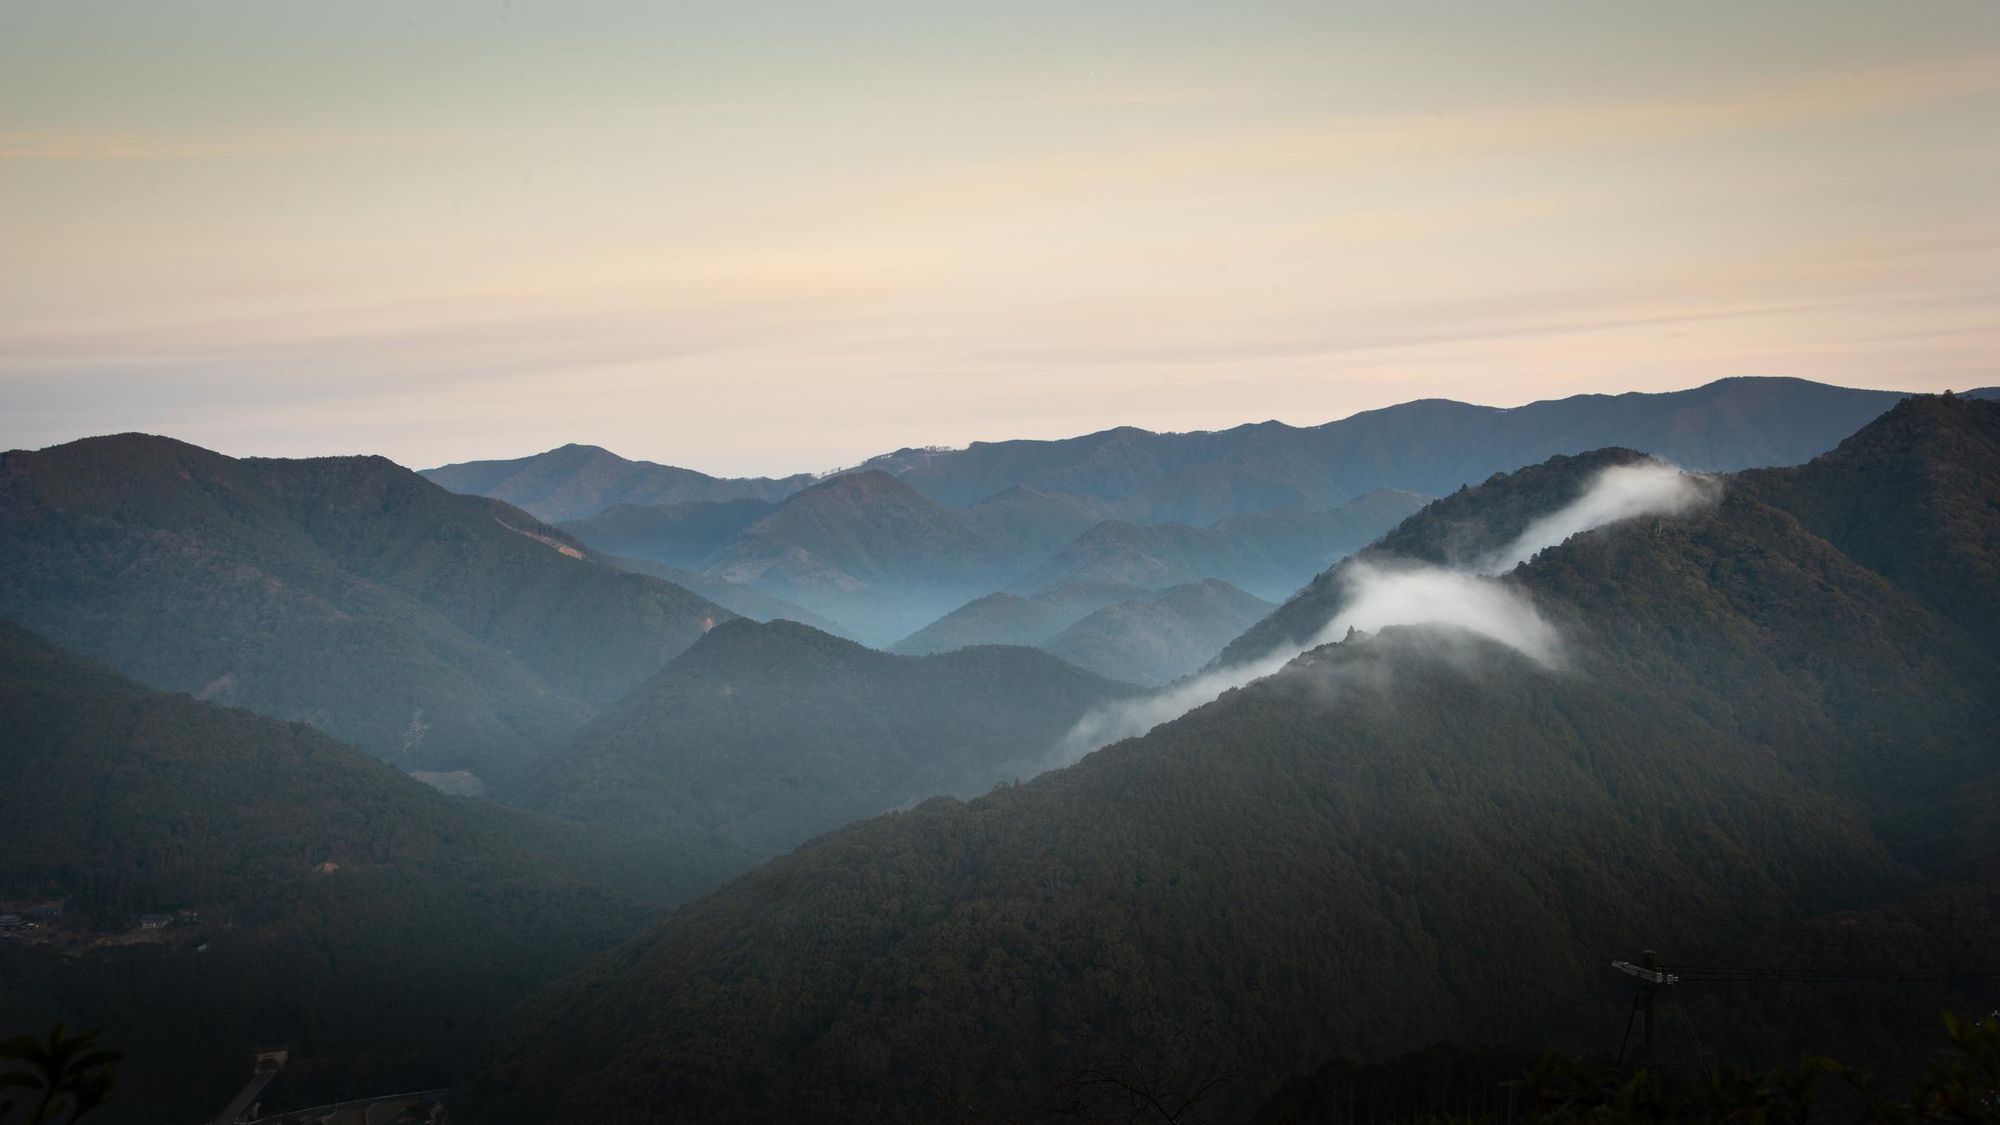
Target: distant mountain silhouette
1429	446
576	481
439	631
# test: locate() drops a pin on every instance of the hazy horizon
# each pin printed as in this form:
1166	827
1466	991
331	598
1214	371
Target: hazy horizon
420	464
786	237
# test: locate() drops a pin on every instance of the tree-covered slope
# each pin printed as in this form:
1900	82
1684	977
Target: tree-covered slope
435	630
369	921
1400	838
769	734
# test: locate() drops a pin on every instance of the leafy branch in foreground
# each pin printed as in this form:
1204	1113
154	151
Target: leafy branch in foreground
62	1074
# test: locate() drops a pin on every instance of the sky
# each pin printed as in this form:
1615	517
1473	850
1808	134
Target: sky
752	237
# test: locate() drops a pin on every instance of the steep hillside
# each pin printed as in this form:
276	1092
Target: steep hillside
372	923
1404	837
767	735
1915	497
438	631
577	481
1151	641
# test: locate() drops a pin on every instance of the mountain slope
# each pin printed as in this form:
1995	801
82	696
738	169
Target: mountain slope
1400	837
577	481
1152	641
769	734
439	631
370	921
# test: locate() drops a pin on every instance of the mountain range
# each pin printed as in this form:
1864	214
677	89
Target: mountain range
1731	741
1483	745
1428	446
888	547
441	632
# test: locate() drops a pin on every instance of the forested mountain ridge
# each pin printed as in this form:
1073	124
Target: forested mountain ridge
1400	838
1915	497
369	921
435	630
767	734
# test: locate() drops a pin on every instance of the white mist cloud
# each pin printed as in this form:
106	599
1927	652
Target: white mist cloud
1621	492
1379	596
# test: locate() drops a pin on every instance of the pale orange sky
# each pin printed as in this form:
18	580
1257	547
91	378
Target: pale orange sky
760	237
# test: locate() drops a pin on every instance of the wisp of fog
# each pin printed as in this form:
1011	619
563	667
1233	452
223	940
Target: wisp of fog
1378	596
1621	492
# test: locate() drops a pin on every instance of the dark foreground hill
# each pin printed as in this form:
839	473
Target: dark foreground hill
439	631
1403	838
369	922
769	734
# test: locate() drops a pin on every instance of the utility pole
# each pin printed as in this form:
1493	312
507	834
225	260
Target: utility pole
1651	979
